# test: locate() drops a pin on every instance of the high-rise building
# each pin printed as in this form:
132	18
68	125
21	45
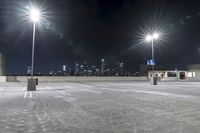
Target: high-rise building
84	69
28	70
93	68
102	66
119	69
64	69
76	70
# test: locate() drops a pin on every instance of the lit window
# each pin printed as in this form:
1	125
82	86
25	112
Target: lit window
189	74
193	74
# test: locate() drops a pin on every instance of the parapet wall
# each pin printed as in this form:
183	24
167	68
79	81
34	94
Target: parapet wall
73	78
2	65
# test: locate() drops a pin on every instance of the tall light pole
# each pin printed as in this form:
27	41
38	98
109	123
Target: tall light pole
151	38
35	17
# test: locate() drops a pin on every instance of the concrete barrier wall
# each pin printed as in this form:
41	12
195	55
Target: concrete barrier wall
170	78
2	78
2	65
72	78
197	75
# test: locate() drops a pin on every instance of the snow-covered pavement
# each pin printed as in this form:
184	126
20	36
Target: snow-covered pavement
100	107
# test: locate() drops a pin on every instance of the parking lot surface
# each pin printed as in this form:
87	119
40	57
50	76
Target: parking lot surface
100	107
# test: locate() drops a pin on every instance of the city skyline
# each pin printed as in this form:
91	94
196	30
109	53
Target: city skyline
85	68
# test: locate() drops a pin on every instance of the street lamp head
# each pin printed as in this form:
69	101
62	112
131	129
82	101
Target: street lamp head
152	37
149	38
35	15
155	36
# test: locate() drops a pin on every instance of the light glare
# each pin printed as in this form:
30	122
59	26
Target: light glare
155	35
148	38
35	15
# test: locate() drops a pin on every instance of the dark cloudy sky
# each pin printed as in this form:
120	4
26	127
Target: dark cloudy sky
88	30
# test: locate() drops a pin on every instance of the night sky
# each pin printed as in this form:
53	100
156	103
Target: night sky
88	30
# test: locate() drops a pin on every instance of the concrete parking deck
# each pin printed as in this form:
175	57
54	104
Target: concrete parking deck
100	107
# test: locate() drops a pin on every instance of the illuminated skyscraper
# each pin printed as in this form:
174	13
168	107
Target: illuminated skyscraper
102	66
76	70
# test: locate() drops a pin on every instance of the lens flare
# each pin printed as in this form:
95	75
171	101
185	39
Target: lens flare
35	15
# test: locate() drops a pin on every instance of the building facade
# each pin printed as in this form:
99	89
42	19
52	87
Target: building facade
169	75
193	72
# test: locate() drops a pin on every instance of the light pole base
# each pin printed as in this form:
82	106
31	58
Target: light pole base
153	80
31	85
